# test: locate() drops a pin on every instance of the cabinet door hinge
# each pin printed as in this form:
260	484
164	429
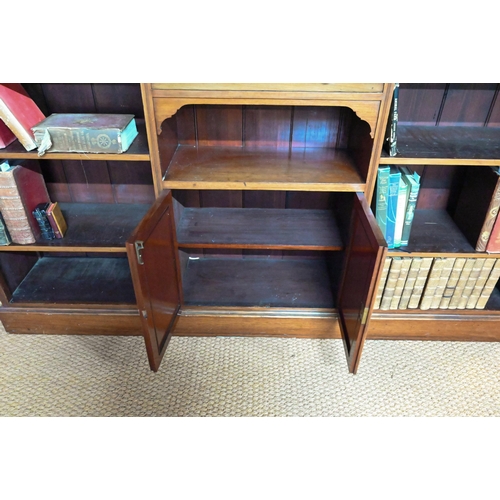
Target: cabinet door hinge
139	245
365	315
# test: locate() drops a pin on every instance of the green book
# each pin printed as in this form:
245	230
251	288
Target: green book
382	191
392	204
413	183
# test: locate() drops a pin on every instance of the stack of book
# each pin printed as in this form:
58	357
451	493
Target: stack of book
396	200
27	212
436	283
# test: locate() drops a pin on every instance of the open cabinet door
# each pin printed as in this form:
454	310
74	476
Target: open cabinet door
151	256
364	262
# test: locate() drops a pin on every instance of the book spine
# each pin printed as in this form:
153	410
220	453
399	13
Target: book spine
46	230
418	289
25	137
4	233
411	206
470	283
392	204
13	211
410	282
432	283
452	283
382	192
489	223
400	212
400	283
489	286
390	285
383	279
392	132
480	283
443	281
464	276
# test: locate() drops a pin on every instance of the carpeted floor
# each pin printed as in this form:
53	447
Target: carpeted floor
110	376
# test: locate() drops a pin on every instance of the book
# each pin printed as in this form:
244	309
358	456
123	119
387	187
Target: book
400	212
22	188
392	204
390	285
432	283
383	279
420	282
413	182
489	286
464	276
392	126
85	133
56	220
449	290
410	282
478	204
381	200
448	263
400	283
19	112
480	283
6	135
4	233
470	283
40	214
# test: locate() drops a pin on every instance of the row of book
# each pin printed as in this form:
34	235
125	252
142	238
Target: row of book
396	201
436	283
27	213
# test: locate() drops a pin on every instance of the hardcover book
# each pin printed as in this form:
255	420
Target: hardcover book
40	214
480	283
443	281
392	127
478	205
6	135
383	279
382	193
470	283
464	276
432	283
410	282
420	282
19	112
22	188
489	286
413	183
85	133
56	220
390	285
400	212
452	282
392	205
400	283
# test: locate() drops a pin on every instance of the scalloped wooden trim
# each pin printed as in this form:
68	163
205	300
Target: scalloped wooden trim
167	107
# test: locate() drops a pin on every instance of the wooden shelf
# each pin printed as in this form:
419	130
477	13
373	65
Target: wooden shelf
301	169
258	228
92	227
138	151
64	280
447	145
258	282
434	232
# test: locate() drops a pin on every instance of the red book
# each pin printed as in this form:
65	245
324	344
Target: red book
493	245
19	112
22	188
6	136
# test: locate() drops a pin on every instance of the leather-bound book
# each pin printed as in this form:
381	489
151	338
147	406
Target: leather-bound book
6	135
56	220
22	188
19	112
40	214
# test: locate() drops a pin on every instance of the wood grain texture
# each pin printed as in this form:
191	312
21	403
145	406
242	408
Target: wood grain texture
258	228
239	168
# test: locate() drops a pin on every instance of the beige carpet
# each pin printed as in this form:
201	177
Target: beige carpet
109	376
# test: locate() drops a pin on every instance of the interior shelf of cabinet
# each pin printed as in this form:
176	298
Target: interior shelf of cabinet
455	145
258	228
138	151
297	169
92	227
265	282
66	280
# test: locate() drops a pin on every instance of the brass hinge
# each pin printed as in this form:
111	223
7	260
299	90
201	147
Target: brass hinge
365	316
139	245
